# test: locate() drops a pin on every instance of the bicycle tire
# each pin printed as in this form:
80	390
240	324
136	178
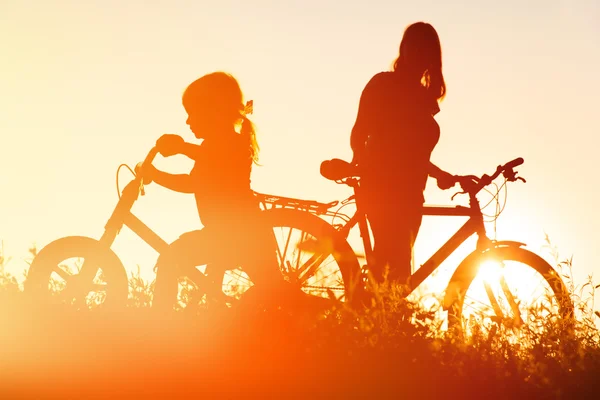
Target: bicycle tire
330	243
468	272
309	225
41	284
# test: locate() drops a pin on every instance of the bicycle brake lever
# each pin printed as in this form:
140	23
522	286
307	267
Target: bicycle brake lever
511	176
456	194
348	200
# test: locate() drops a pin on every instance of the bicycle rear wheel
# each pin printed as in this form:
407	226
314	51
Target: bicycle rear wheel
507	288
313	259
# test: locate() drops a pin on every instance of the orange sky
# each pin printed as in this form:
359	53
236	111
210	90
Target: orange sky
88	85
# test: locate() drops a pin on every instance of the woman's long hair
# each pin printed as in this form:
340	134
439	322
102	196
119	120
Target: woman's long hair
420	48
220	92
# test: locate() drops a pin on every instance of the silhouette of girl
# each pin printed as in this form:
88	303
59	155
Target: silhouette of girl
392	140
220	180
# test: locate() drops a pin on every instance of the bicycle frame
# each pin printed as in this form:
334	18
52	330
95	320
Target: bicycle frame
122	215
474	225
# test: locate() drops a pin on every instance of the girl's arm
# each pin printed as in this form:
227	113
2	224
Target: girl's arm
190	150
181	183
170	145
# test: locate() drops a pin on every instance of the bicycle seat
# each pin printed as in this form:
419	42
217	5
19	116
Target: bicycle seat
336	169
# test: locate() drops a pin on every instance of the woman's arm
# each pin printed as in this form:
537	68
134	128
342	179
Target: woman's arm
367	108
435	171
445	179
358	137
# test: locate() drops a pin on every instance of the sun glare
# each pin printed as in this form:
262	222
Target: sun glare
508	290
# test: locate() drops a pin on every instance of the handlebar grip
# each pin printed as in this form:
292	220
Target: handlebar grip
139	168
147	180
514	163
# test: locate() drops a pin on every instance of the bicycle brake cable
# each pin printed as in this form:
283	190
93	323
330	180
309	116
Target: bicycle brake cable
337	212
499	210
118	169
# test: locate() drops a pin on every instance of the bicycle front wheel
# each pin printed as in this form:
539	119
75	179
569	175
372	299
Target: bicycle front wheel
507	288
77	271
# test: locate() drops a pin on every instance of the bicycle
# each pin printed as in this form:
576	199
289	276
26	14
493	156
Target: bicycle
100	278
490	262
328	269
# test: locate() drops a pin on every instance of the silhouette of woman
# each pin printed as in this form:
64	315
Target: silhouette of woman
220	180
392	140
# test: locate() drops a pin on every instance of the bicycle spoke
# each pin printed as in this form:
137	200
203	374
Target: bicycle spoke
511	301
240	277
287	242
493	301
65	275
302	238
310	267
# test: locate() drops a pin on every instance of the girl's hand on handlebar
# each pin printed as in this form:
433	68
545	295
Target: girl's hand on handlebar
147	171
169	144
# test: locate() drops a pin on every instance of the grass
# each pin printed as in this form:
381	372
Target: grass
393	349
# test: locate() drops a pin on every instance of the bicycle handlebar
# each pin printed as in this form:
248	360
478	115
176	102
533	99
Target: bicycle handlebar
472	184
151	155
514	163
139	168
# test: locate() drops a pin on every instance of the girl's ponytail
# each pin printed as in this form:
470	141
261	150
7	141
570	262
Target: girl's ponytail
248	132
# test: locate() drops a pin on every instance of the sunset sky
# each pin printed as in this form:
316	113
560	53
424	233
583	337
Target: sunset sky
87	85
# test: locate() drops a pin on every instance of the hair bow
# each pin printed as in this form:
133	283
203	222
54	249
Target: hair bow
249	107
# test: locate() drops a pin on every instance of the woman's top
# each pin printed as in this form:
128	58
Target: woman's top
394	136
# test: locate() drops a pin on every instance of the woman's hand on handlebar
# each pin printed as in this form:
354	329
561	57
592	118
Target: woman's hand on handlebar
445	180
468	182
